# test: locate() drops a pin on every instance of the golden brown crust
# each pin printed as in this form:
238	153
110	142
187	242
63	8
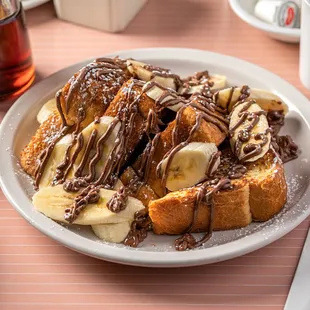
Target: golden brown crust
93	94
260	194
145	104
268	194
173	213
207	132
145	194
44	134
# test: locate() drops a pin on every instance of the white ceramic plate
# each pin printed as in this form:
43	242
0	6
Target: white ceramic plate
158	251
30	4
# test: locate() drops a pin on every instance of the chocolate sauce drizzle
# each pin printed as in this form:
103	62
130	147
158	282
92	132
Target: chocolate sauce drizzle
165	73
202	79
252	118
205	194
45	154
92	183
110	69
204	111
275	121
285	147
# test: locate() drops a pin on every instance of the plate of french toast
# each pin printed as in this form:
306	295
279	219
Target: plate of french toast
159	157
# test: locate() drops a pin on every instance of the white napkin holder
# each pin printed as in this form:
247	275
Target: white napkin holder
105	15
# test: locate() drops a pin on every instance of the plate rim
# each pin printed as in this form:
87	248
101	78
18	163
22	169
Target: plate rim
127	255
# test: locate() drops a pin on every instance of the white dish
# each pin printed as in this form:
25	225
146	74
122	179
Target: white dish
30	4
158	251
245	10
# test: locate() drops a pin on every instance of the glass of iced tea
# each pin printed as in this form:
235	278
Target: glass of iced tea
16	68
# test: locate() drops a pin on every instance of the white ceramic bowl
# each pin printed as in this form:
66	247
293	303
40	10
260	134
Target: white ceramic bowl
245	10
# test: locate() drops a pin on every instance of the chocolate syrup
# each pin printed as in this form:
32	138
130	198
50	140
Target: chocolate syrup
205	194
204	112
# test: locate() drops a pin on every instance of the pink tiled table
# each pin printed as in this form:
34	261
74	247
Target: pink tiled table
38	273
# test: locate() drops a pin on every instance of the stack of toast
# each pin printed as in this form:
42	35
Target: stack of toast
128	147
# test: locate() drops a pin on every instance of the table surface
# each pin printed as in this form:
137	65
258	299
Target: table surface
35	271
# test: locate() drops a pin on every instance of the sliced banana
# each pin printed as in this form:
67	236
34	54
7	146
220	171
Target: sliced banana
190	165
145	73
55	158
112	232
260	128
268	101
58	153
54	200
218	80
156	91
47	109
101	127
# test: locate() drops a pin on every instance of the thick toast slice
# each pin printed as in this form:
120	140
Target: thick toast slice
130	96
92	89
207	132
173	213
43	136
258	195
268	188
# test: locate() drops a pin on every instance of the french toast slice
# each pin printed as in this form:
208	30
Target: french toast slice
39	141
132	96
207	132
173	213
258	195
268	187
91	90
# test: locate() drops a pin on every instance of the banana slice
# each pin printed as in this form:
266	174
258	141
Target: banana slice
47	109
253	143
268	101
112	232
54	160
57	155
190	165
218	80
156	91
101	127
147	73
52	201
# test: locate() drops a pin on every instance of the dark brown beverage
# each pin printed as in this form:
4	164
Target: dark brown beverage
16	68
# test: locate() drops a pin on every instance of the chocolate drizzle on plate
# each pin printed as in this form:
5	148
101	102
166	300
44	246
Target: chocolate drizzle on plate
285	147
275	121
